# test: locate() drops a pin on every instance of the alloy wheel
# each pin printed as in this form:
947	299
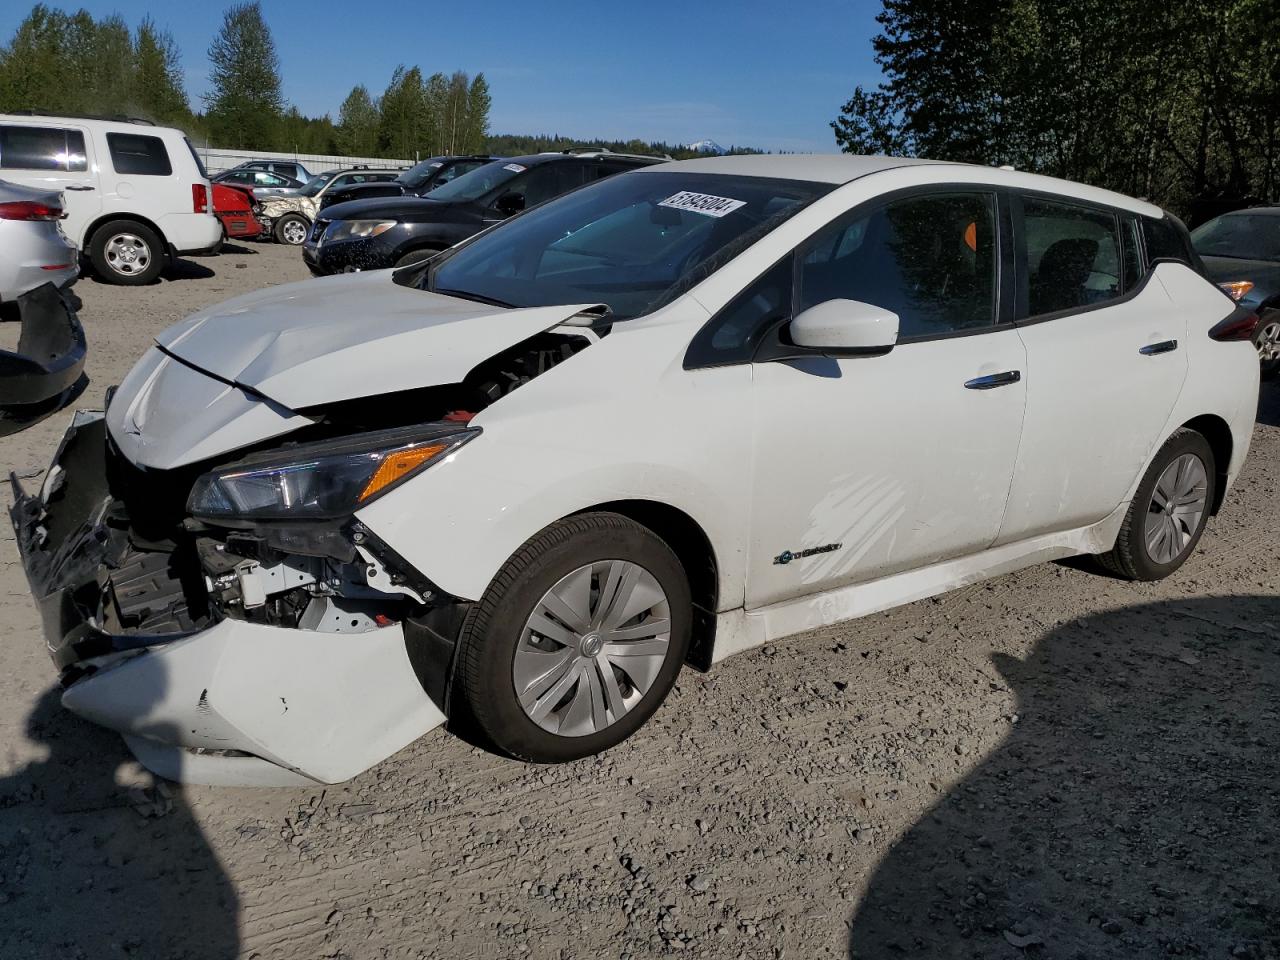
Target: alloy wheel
127	254
1178	504
592	648
295	232
1267	340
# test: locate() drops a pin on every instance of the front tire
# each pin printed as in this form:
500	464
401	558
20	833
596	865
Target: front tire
577	641
1169	510
292	229
126	252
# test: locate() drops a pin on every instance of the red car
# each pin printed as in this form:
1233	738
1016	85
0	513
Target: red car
235	208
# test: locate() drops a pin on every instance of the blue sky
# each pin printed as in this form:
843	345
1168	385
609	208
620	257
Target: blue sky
764	74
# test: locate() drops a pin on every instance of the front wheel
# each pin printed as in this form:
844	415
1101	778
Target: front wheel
292	229
1267	339
577	641
1169	511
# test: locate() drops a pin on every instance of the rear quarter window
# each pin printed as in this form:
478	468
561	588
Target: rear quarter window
1167	239
137	155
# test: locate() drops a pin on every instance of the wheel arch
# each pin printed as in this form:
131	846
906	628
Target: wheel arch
1218	434
692	547
106	218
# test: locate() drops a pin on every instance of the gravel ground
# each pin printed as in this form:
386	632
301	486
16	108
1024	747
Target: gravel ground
1050	764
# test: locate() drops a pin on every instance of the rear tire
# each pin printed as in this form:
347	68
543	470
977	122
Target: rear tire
126	252
548	625
1169	511
1267	340
292	229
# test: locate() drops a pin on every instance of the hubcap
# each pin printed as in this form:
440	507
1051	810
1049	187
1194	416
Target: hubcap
1267	341
127	254
592	648
1177	506
295	232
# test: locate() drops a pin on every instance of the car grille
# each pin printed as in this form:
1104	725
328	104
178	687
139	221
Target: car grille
317	231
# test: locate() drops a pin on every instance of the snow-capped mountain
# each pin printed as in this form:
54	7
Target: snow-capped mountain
707	146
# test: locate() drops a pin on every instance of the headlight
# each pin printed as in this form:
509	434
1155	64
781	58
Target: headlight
327	480
357	229
1236	289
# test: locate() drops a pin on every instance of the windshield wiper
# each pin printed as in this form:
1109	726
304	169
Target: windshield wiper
477	297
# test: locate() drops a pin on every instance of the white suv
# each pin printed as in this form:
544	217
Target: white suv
135	194
671	415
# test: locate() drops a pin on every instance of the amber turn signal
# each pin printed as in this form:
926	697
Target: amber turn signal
1235	289
397	466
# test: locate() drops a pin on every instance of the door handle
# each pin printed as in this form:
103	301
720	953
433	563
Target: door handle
993	380
1164	346
74	187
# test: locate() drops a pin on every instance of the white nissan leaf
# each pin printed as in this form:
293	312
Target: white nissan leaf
662	419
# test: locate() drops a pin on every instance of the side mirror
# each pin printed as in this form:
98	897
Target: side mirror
510	203
846	328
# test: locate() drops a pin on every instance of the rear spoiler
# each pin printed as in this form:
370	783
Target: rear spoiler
46	373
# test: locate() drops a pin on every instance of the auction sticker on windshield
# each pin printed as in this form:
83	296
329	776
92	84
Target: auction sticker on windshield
703	203
515	168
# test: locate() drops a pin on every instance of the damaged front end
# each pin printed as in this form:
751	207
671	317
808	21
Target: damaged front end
264	643
46	372
208	590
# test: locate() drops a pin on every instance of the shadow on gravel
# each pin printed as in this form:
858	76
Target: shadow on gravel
1133	811
90	869
1269	403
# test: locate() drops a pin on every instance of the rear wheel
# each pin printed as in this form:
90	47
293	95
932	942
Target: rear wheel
1267	339
577	641
292	229
1169	511
126	252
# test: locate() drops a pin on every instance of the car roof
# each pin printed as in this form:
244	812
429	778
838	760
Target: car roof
840	168
555	156
1263	211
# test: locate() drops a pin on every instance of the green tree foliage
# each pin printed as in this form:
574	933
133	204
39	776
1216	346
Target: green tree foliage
71	63
406	124
475	128
1179	102
159	89
358	118
245	104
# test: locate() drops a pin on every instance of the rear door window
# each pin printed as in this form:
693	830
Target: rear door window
42	148
137	155
1071	254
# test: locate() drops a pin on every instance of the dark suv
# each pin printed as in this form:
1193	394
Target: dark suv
417	181
395	231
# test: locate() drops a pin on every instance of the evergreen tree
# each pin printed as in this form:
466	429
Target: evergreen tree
405	122
245	104
158	88
357	131
476	127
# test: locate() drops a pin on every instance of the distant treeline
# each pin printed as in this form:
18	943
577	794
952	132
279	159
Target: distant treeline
73	63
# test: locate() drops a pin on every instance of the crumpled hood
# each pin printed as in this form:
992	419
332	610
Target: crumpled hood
355	335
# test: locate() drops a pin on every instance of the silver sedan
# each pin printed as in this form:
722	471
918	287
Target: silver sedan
33	248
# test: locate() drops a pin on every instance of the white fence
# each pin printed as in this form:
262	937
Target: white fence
216	160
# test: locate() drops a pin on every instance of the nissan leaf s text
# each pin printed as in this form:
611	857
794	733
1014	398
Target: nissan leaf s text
664	418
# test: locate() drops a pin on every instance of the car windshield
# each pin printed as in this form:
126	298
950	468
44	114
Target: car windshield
474	185
1242	235
634	241
420	173
316	183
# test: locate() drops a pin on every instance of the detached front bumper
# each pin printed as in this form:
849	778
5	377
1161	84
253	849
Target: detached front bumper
46	373
199	699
